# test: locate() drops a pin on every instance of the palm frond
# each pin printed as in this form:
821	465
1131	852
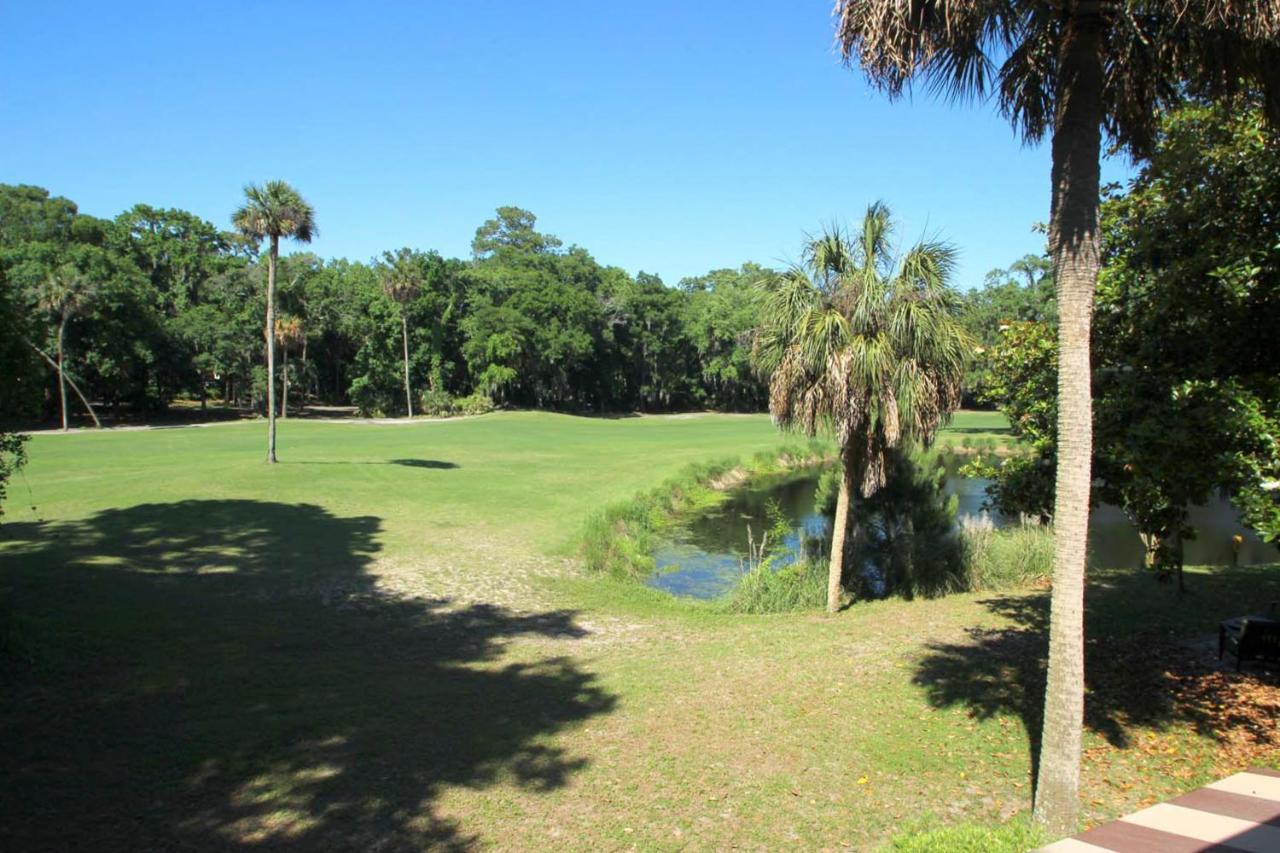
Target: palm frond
1155	52
872	352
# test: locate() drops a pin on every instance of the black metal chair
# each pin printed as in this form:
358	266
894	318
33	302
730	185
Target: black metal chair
1251	638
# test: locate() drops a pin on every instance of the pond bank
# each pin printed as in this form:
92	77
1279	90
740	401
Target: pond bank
619	539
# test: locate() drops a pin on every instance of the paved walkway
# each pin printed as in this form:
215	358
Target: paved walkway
1239	813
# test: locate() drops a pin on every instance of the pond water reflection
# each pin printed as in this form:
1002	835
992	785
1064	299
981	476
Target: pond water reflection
706	556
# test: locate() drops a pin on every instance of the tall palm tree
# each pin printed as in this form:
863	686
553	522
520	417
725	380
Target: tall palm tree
273	210
1074	70
63	294
402	280
867	348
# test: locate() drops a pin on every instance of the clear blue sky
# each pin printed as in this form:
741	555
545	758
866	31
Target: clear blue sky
673	137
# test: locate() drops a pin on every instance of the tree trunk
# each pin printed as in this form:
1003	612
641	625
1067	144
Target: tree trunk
62	376
1151	544
284	382
304	372
835	572
1073	239
271	349
1178	556
404	331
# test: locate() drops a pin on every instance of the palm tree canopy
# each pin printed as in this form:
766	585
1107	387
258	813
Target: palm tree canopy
1156	53
289	330
863	345
403	275
65	291
275	209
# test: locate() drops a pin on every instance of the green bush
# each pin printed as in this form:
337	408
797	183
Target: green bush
1008	558
478	403
365	397
13	455
437	404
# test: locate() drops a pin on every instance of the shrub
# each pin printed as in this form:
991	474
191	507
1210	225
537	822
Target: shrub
1008	558
437	404
365	397
908	545
13	455
801	585
478	403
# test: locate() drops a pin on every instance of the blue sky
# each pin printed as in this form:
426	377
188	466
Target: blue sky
673	137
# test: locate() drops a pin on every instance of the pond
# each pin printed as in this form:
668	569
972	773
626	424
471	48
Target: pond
705	557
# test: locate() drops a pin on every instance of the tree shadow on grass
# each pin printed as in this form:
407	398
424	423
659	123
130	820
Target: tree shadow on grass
435	464
424	463
977	430
219	674
1140	670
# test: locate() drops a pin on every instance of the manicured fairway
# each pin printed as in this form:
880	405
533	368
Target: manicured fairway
513	488
385	642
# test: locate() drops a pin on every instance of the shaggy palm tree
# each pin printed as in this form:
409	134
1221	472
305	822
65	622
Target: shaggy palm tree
865	348
402	280
273	210
63	294
1074	70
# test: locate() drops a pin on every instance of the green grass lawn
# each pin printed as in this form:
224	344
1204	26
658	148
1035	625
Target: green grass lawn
386	642
977	431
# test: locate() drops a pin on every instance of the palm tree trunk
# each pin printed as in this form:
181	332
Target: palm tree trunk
404	330
1178	556
835	572
304	372
284	382
88	407
271	349
1073	238
62	378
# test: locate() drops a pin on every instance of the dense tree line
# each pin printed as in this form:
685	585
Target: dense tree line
159	304
1185	354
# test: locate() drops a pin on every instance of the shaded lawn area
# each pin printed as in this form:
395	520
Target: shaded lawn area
203	652
207	672
1162	714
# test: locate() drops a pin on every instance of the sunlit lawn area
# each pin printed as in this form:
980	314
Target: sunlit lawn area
385	642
